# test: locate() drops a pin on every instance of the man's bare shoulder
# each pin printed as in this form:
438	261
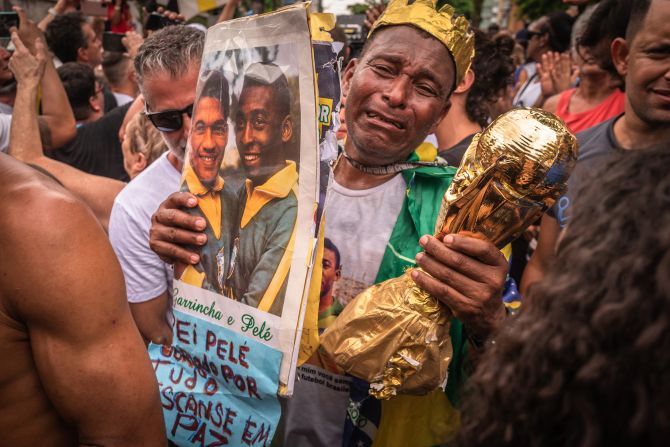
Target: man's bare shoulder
42	229
35	204
60	279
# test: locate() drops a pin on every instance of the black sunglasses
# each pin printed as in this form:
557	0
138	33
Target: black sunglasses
169	120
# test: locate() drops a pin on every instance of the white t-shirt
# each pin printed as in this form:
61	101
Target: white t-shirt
359	223
6	109
5	126
122	98
145	274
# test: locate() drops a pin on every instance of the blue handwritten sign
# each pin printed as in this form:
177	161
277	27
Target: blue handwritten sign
217	387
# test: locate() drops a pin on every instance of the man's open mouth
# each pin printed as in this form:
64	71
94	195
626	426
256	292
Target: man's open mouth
385	119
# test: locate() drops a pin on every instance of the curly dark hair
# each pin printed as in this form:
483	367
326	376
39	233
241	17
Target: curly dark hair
493	67
79	84
587	362
64	36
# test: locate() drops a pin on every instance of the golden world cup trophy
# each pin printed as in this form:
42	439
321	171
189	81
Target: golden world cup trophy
394	334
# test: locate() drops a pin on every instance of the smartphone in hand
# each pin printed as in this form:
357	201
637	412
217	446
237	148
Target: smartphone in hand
113	42
96	8
7	20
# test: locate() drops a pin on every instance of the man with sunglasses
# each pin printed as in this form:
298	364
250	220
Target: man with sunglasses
546	34
167	67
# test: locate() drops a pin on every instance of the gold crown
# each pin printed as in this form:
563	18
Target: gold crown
453	32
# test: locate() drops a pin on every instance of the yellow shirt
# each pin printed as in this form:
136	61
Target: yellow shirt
210	205
277	186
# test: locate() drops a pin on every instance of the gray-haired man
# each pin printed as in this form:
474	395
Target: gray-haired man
167	67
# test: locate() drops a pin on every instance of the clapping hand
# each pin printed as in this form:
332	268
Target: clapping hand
554	73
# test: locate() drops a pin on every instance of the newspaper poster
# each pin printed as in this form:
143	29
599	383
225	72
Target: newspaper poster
252	161
327	70
326	65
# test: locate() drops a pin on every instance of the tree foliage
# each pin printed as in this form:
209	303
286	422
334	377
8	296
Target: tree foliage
534	9
465	7
360	8
471	9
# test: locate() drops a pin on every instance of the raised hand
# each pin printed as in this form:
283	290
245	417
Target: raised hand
554	73
26	67
132	41
29	33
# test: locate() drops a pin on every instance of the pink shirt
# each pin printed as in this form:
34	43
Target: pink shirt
612	106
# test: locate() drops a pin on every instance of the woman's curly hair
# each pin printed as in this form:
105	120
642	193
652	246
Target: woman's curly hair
493	67
587	363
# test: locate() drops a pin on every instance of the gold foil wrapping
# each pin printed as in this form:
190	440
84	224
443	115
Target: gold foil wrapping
454	32
510	174
395	335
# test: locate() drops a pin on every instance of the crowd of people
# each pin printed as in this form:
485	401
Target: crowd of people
96	227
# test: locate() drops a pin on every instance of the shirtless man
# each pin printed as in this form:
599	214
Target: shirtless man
75	371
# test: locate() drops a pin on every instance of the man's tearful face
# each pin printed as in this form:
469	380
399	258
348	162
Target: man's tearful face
397	92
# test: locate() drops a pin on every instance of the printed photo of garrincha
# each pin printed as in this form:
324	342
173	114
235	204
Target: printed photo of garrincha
251	227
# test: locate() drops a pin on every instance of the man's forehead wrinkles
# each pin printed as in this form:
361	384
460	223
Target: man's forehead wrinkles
399	57
652	40
407	65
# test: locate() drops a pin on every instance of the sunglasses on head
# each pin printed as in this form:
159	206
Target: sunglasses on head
169	120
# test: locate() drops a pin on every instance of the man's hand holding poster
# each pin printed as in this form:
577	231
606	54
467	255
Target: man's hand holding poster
252	162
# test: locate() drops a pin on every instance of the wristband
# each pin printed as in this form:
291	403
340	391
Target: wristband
53	11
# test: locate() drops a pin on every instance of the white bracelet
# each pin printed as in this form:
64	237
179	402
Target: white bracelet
53	12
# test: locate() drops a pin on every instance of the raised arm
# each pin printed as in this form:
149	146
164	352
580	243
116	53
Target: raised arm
28	71
98	192
228	11
57	123
58	9
543	256
116	15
